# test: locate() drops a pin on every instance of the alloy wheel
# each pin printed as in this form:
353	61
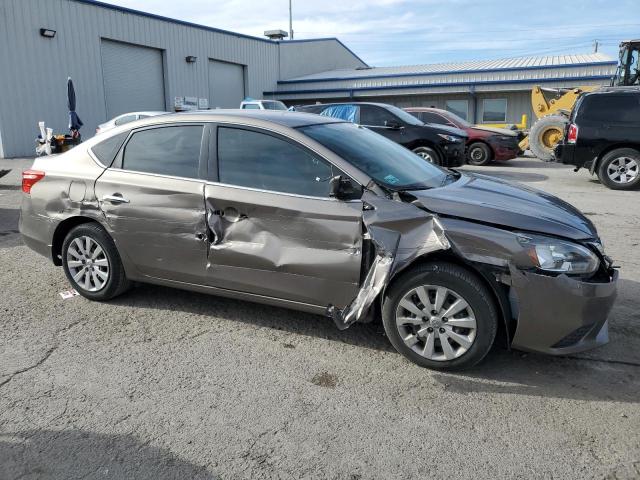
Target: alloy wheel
88	264
623	170
436	322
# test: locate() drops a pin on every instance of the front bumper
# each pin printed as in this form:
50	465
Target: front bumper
453	154
505	150
560	315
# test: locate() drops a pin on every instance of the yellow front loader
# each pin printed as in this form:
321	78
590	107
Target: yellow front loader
552	107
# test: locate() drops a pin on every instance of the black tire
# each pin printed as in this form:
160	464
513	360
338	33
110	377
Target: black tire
542	132
116	282
479	154
429	154
458	280
613	162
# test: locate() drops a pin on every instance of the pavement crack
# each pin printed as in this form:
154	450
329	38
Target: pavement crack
30	367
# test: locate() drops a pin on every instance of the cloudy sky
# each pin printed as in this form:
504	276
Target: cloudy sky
404	32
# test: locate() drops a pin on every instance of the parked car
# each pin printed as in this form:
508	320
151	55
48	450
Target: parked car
603	135
321	215
442	145
125	118
484	144
250	104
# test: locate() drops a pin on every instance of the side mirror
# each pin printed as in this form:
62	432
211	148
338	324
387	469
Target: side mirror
343	189
392	124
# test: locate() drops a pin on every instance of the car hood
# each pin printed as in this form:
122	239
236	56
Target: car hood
447	130
498	202
501	131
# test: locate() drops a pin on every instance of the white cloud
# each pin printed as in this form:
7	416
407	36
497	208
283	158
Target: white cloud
392	32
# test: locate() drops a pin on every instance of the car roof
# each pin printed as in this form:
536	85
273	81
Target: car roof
347	103
281	117
613	90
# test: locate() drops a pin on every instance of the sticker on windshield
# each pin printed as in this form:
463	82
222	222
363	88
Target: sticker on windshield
391	179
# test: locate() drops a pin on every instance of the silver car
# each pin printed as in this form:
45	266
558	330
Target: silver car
126	118
324	216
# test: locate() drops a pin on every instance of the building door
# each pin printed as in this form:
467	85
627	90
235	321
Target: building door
226	84
133	78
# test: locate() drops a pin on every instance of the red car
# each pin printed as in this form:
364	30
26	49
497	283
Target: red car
485	144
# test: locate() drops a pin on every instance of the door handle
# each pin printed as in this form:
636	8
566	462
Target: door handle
115	198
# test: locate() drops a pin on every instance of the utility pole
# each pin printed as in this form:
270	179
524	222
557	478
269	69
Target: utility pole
595	46
290	22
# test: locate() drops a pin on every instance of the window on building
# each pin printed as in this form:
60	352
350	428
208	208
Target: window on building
257	160
494	110
458	107
171	151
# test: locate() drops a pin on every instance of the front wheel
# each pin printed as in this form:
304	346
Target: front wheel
620	169
92	264
429	154
479	154
440	316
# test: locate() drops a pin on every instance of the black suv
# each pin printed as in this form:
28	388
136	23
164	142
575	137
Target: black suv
603	135
438	144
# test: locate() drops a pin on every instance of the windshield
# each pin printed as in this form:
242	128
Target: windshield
274	105
404	116
389	164
461	122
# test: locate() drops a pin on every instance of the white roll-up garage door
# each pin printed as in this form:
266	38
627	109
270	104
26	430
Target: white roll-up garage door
226	84
133	78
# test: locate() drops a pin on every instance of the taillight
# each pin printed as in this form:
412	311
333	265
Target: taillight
30	178
572	134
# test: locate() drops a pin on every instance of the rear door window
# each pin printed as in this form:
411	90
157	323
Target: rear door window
252	159
173	151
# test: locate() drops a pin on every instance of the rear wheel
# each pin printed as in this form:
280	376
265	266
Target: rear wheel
620	169
92	264
479	154
545	134
440	316
429	154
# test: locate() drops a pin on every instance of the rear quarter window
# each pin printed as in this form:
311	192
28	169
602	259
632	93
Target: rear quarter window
107	150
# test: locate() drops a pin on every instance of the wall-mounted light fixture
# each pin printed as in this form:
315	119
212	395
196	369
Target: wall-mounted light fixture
191	59
47	32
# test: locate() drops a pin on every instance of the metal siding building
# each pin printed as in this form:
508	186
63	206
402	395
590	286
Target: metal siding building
508	81
120	58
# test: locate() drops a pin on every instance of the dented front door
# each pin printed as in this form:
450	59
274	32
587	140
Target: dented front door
297	248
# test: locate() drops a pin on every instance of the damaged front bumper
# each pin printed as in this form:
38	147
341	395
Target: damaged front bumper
560	315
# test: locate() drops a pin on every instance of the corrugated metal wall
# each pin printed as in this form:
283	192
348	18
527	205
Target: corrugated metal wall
317	56
34	69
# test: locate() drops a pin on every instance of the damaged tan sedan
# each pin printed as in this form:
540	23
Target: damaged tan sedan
320	215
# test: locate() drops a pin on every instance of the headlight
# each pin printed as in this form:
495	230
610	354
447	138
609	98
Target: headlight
450	138
554	255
